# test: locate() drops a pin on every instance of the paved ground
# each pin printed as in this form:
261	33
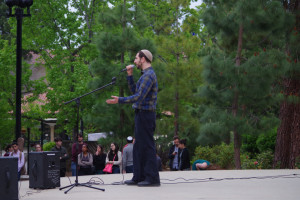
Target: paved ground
213	184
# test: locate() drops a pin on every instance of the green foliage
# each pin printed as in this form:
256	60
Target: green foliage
262	160
239	97
249	144
256	144
267	142
220	155
48	146
297	163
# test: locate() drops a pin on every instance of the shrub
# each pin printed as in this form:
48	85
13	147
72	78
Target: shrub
263	160
48	146
220	155
247	162
267	141
249	145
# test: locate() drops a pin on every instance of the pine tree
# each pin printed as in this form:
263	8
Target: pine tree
242	66
287	152
118	43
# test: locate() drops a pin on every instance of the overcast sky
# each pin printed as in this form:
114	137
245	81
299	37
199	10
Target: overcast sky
194	4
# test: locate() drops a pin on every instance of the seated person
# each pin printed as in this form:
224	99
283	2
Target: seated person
99	160
200	165
85	161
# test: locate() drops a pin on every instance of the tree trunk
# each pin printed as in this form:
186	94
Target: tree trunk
237	139
287	151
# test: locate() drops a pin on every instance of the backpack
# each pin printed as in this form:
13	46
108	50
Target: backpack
23	169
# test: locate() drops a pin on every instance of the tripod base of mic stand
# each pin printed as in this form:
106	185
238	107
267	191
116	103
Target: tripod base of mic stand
76	184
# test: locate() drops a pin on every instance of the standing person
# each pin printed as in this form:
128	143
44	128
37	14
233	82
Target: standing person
159	164
63	155
99	160
20	155
144	100
115	157
8	150
128	156
38	148
184	156
173	154
85	161
75	153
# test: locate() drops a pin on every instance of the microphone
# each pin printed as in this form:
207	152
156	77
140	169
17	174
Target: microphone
125	69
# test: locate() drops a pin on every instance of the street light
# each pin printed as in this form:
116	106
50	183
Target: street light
19	14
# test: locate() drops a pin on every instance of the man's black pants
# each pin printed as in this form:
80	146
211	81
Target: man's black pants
144	152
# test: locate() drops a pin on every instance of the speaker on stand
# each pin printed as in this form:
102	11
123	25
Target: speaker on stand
44	170
9	178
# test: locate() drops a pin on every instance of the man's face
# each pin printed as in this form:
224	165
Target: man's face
58	143
176	142
15	147
181	146
138	61
80	139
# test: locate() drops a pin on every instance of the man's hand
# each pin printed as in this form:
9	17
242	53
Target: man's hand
114	100
129	70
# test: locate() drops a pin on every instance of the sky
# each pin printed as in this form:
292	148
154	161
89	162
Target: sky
194	4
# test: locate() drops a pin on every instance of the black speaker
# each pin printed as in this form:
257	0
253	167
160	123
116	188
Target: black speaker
44	170
9	178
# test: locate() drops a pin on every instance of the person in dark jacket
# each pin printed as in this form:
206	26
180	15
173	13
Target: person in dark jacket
99	160
174	154
184	156
63	155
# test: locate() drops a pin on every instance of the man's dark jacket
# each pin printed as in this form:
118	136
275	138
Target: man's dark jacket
62	151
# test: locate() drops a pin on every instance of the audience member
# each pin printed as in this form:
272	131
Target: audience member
173	155
20	155
38	148
184	156
75	152
159	164
99	160
8	150
63	155
85	161
128	156
200	164
114	157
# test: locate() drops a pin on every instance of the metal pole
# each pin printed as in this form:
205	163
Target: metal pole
19	16
42	133
28	149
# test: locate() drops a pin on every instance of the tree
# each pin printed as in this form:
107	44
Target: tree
242	66
118	43
61	33
7	75
287	153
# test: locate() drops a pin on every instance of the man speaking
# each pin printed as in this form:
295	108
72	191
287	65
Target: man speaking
144	99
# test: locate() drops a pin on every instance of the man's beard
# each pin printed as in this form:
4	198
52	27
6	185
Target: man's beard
139	66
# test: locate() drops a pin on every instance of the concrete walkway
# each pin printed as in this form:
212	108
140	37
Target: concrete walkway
213	184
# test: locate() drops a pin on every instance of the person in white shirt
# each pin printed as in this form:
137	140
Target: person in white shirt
20	155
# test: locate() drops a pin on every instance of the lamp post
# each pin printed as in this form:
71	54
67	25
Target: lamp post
19	14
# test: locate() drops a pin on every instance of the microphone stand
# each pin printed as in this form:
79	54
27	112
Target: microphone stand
77	100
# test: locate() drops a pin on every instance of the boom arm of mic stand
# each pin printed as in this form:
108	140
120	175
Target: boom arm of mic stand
113	81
